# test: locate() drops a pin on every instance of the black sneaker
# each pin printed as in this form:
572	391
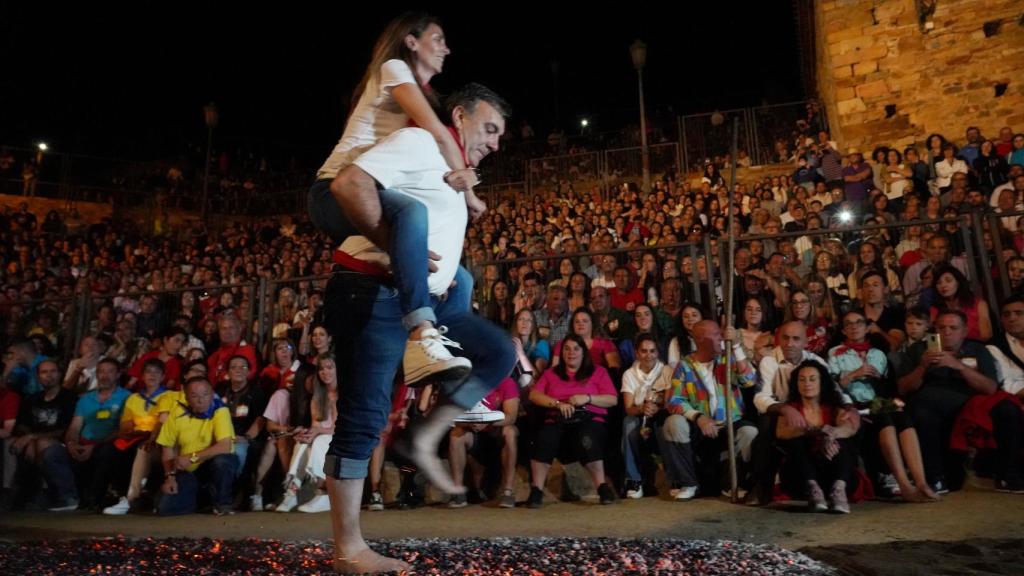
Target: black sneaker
940	488
1010	486
536	499
605	492
223	510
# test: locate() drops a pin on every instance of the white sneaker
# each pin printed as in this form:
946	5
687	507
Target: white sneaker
288	501
256	503
684	493
635	493
481	414
120	509
428	358
320	503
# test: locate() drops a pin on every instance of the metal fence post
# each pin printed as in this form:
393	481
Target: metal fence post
994	227
261	312
709	262
972	263
682	141
985	274
695	275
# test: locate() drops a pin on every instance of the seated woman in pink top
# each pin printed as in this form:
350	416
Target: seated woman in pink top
576	395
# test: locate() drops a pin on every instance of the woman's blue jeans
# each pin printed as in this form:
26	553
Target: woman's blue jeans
408	251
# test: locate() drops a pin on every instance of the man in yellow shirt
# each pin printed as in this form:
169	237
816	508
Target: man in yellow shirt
197	441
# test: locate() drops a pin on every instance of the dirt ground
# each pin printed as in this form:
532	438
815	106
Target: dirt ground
974	531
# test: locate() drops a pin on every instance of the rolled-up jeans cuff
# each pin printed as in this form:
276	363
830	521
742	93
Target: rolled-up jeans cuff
413	319
345	468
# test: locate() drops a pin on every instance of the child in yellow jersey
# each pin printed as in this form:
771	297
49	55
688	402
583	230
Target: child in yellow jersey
138	422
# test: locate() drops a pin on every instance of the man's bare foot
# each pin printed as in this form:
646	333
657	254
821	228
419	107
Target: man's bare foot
419	444
366	561
424	455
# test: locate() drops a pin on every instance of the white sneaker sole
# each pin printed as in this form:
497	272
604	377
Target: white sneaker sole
456	369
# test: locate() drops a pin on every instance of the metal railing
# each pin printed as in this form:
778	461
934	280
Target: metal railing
698	136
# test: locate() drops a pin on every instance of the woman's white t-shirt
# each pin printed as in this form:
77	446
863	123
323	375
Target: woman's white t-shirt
376	116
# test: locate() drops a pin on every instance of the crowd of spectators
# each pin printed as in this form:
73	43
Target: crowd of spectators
865	364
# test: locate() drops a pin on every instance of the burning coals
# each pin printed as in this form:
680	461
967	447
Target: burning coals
528	556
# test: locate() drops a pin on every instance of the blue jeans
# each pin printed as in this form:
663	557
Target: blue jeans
218	473
365	319
408	251
241	450
632	446
57	467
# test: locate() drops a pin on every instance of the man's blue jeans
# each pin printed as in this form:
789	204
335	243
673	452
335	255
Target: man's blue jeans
408	219
217	473
59	472
365	319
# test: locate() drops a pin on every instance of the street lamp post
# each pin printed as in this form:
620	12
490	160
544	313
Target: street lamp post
638	51
210	116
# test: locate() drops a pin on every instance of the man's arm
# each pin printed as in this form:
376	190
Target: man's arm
911	382
355	191
74	431
7	430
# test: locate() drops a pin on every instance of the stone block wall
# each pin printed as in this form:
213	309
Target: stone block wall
887	78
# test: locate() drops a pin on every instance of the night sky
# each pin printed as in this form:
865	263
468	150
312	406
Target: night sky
130	82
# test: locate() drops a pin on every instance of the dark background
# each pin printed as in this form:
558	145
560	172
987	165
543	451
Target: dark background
130	81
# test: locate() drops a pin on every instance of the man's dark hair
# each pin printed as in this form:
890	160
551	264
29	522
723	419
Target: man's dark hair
1013	299
192	364
154	363
195	379
109	360
469	95
174	331
871	272
951	312
533	275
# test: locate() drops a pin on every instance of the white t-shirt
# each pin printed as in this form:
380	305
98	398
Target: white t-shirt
1010	376
640	383
376	115
410	162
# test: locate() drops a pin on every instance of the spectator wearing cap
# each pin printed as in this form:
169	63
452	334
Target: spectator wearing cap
857	177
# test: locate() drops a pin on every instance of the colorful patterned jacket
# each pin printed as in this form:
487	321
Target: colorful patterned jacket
689	391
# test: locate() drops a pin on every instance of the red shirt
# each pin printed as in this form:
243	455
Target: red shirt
622	300
172	369
218	361
507	390
9	403
280	377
